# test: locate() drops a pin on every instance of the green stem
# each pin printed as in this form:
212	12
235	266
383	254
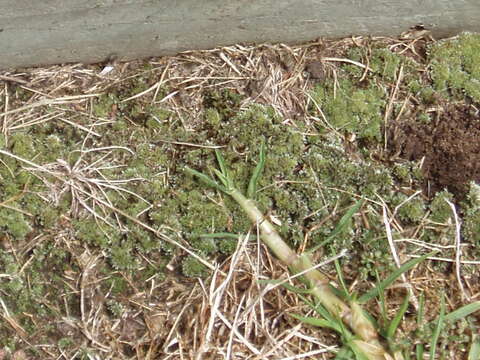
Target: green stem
318	283
366	345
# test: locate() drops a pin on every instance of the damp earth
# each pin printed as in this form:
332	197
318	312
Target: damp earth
447	146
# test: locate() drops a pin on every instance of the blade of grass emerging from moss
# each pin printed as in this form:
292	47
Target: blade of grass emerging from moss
224	174
419	350
340	226
438	328
205	179
381	299
252	186
318	284
344	292
392	328
391	278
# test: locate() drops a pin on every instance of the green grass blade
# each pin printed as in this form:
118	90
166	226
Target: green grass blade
463	312
391	278
344	293
392	328
340	226
381	298
221	162
205	179
474	353
287	286
320	309
419	352
421	309
406	355
222	178
438	328
345	219
317	322
252	185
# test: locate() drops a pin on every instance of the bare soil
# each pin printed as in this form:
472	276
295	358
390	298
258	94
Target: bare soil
448	145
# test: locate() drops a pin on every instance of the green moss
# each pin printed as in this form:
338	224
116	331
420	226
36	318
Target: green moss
96	233
225	103
455	66
14	222
65	342
53	148
212	117
145	241
104	105
351	108
34	289
471	218
227	246
122	257
205	245
115	283
116	308
200	216
191	267
412	210
441	211
48	217
386	63
22	145
402	172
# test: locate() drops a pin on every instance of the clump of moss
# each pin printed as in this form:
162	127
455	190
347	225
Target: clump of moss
224	103
334	168
192	267
14	222
410	210
455	66
36	289
441	211
22	145
352	108
122	256
386	63
471	216
104	105
94	233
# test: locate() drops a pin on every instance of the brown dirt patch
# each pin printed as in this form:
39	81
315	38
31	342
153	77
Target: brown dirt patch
449	146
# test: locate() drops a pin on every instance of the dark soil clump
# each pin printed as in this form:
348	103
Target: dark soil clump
449	145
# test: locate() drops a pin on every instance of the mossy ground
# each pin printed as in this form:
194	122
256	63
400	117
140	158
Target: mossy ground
67	250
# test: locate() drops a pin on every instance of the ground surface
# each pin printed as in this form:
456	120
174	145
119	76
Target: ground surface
104	252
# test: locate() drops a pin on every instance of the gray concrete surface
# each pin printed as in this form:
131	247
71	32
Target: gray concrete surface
39	32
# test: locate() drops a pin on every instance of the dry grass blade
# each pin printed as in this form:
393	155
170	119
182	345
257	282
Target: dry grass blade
458	251
49	102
